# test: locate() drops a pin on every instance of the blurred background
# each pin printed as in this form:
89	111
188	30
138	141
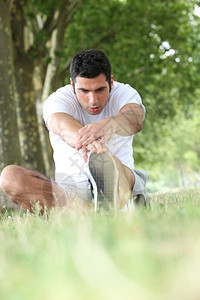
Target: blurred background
154	45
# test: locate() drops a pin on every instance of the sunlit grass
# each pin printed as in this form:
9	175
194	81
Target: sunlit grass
142	254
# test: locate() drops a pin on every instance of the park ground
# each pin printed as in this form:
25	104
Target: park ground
146	253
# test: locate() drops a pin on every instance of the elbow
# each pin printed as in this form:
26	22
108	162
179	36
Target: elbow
68	139
138	127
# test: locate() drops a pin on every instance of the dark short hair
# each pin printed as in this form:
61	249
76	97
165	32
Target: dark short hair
90	64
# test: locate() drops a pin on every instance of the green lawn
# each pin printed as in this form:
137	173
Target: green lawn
143	254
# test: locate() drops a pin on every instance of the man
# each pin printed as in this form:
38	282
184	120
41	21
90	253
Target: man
91	124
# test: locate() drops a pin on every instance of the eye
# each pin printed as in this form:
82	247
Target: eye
84	91
100	90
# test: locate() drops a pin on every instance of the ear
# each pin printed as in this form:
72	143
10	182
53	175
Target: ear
111	81
71	82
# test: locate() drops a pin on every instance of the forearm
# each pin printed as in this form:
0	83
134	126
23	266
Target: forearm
127	122
65	126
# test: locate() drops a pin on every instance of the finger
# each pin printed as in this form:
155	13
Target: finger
87	138
92	148
94	135
84	135
88	129
103	140
85	157
84	151
82	141
105	148
90	140
82	129
78	146
100	148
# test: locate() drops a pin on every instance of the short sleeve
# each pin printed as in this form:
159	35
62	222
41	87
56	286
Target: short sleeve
63	100
123	94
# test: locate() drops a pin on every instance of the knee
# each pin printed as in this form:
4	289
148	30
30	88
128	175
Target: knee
8	177
117	161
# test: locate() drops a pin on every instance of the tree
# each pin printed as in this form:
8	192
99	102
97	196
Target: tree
32	32
9	141
153	45
150	44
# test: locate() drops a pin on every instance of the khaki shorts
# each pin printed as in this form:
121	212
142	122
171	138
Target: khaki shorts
140	182
81	187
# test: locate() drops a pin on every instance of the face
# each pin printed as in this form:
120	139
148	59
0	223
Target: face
92	93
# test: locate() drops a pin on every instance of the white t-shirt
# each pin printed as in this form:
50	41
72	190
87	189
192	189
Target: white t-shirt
69	161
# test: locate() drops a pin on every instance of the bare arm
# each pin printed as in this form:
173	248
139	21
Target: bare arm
65	126
126	123
129	120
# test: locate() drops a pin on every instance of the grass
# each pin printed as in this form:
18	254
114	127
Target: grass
142	254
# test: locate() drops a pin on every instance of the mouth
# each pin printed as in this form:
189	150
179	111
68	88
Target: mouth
94	109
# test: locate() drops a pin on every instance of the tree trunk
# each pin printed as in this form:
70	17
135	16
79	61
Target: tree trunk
27	118
64	16
9	140
44	136
26	105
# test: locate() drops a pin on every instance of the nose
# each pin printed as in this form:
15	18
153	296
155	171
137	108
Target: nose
93	99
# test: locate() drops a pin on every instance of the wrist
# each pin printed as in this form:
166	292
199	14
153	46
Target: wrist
113	124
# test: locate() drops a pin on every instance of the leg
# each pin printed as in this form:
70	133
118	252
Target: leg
102	173
126	182
26	188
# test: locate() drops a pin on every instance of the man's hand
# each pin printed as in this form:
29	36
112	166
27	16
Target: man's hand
101	132
126	123
94	147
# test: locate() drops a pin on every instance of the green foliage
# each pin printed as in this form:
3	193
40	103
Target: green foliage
132	35
44	7
154	46
174	150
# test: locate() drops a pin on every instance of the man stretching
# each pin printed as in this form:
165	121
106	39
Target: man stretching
91	124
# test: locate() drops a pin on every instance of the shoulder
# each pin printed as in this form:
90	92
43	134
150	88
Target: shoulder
63	96
62	100
122	94
63	93
121	88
